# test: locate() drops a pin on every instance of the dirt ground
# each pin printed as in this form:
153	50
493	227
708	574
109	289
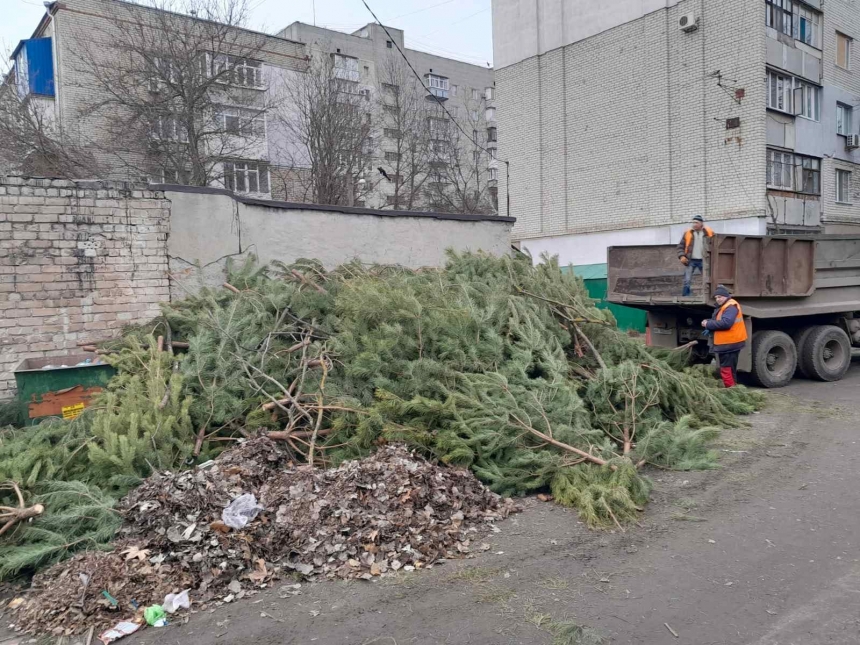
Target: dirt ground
762	551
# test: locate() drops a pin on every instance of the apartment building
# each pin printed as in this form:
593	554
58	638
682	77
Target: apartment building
102	74
466	91
623	119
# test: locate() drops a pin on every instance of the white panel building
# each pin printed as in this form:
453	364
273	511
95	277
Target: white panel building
622	119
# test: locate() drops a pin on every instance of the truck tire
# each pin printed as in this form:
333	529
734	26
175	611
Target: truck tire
826	353
774	358
800	337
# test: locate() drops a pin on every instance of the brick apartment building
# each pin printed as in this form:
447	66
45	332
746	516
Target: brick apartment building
623	119
52	74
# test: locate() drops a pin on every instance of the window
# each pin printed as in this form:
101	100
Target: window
843	186
236	70
810	175
345	68
492	134
175	177
392	89
477	157
494	174
164	71
392	133
388	44
391	109
843	119
779	15
366	69
843	51
474	94
473	114
392	156
787	171
807	26
246	176
491	114
809	97
241	121
779	91
491	152
438	127
780	170
490	93
168	128
454	89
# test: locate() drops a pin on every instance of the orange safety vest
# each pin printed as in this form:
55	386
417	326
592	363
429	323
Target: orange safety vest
737	333
688	239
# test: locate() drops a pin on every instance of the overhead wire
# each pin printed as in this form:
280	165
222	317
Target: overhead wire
420	80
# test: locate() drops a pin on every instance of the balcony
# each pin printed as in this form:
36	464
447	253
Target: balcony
437	94
437	87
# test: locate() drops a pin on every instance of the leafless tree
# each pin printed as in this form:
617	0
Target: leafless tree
32	141
327	121
407	154
458	180
174	88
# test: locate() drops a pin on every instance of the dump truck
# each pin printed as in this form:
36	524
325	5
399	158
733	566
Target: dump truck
800	296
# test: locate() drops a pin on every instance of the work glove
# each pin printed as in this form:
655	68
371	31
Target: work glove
684	260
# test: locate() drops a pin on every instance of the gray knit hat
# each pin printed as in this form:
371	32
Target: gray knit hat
721	290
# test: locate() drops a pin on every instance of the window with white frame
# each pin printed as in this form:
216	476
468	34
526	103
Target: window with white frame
843	186
491	114
492	134
810	175
779	15
809	96
438	85
241	121
346	68
779	87
843	50
246	176
474	94
168	127
844	115
793	95
807	26
494	174
454	89
780	170
490	93
491	152
164	71
237	70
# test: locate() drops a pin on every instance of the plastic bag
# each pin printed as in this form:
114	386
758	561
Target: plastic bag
120	630
240	511
175	601
154	614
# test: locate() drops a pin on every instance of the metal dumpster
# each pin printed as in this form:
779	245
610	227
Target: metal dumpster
60	386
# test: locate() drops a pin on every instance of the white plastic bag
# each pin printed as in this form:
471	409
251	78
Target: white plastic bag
240	511
175	601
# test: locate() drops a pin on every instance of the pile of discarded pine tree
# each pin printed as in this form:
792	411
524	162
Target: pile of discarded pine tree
490	364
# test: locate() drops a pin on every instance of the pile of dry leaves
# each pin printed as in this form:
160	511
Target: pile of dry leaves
366	518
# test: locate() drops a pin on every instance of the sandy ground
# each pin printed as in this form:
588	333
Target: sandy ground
762	551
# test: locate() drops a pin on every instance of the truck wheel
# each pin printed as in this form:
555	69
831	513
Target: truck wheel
800	337
774	358
826	353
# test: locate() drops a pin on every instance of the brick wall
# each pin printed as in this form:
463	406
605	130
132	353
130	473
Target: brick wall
627	128
78	261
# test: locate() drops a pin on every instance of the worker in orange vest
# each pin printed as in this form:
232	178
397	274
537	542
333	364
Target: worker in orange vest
730	334
691	250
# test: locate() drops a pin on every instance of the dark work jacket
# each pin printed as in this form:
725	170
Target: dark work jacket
726	322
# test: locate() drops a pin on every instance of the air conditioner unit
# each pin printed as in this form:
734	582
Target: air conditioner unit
688	22
852	141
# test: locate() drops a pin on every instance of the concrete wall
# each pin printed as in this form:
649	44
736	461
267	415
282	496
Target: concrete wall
626	129
209	226
78	261
526	28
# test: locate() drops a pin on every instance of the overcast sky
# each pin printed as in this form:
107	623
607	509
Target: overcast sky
455	28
